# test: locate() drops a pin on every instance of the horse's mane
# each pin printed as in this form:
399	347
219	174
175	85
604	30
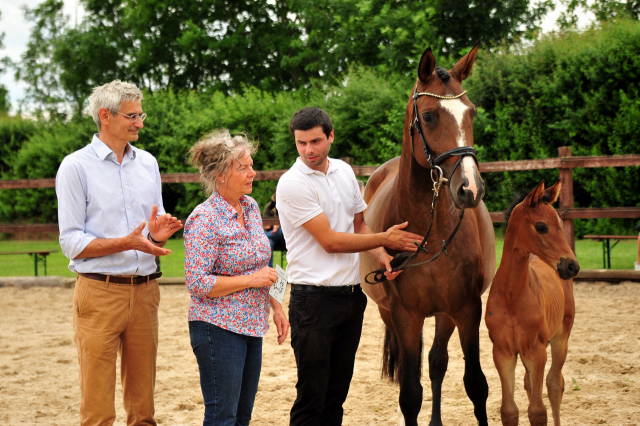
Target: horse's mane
443	74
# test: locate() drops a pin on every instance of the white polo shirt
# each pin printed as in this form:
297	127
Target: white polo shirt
304	193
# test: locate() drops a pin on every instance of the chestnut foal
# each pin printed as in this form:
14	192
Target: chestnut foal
531	305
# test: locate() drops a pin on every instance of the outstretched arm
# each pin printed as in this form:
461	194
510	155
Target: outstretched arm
343	242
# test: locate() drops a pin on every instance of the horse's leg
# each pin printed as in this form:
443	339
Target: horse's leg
534	361
555	380
408	328
475	382
505	362
438	363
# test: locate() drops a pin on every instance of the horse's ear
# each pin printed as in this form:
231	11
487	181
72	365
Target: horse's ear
462	69
427	65
551	194
534	196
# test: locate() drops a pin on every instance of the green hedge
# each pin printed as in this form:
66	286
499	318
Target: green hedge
367	112
575	89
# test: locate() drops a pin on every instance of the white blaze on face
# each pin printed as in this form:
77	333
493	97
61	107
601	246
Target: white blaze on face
457	109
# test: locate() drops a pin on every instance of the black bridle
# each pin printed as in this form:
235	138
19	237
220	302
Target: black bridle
401	260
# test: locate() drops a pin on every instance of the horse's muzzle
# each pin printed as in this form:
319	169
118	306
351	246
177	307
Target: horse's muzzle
568	268
464	197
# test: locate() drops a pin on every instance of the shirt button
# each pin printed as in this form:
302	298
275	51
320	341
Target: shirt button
128	207
125	186
131	227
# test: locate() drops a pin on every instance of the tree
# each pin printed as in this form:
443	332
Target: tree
4	93
231	45
602	10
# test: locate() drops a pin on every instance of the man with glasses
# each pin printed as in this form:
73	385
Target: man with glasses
106	191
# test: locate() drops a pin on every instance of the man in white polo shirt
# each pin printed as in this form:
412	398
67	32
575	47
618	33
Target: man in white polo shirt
321	214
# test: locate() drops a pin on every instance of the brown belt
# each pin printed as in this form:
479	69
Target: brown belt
122	280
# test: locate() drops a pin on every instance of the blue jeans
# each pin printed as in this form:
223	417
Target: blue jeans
229	366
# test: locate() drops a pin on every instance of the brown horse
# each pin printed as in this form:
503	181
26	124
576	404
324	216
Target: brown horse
531	304
436	149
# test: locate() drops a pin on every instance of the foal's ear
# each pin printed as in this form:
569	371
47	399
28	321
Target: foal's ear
462	69
551	194
534	196
427	65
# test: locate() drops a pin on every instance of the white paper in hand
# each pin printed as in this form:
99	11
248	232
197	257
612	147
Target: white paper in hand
278	288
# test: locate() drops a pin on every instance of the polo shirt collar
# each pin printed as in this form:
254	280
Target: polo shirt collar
309	171
102	150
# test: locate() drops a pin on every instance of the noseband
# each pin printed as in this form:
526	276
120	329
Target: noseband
401	260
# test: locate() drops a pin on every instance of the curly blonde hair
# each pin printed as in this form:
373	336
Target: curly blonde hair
213	155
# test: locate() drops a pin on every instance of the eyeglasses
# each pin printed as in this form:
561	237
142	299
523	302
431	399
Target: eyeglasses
133	117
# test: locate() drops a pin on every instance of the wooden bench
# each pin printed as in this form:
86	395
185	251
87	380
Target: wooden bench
606	247
39	256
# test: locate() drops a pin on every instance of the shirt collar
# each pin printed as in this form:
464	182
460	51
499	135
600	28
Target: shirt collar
225	208
309	171
102	150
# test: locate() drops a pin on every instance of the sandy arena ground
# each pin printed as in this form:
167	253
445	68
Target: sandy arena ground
39	368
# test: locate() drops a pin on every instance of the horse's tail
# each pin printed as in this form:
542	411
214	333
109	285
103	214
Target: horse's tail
391	362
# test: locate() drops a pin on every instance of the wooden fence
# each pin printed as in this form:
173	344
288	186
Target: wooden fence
565	162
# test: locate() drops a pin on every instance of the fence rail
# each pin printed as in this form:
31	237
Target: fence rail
565	162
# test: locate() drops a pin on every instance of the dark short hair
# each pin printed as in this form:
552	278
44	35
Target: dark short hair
308	118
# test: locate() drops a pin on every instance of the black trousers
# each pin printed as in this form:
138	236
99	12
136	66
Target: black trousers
325	333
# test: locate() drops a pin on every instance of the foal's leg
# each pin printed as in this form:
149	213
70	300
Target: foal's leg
475	382
505	361
408	328
534	361
555	380
438	362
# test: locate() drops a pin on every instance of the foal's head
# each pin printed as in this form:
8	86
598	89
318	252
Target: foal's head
539	230
445	116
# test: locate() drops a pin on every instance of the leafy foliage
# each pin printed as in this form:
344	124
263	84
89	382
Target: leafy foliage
231	45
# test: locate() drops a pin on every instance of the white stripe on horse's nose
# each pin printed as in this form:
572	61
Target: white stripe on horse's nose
469	170
457	109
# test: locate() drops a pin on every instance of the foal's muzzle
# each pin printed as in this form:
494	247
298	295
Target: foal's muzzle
568	268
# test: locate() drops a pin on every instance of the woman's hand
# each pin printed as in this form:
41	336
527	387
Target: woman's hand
280	320
263	278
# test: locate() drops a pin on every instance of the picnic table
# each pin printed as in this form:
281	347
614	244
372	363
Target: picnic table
39	256
606	247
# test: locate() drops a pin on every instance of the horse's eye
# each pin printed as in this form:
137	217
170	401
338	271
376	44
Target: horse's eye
541	228
475	112
427	117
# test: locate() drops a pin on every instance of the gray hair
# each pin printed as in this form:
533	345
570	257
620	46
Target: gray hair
111	96
214	154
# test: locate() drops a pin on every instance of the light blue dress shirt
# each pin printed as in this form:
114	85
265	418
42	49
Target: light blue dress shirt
99	198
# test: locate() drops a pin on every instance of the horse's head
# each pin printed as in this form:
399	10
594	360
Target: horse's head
439	127
539	230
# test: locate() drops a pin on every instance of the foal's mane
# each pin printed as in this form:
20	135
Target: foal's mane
519	197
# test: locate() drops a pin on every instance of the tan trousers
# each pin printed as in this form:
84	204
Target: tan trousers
109	319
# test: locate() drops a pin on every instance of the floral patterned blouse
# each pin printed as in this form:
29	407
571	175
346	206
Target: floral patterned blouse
217	245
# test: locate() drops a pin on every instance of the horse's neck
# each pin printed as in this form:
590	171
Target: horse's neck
414	181
513	273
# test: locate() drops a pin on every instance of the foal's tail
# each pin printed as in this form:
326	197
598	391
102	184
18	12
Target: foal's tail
391	361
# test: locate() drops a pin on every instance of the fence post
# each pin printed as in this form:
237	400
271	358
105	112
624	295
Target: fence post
566	195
